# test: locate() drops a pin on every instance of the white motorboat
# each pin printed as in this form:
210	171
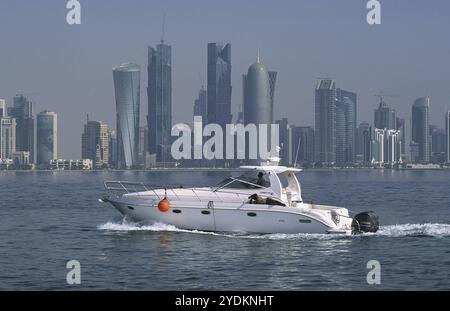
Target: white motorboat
265	199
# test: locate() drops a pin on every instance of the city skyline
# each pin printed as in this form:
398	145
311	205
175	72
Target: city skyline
376	61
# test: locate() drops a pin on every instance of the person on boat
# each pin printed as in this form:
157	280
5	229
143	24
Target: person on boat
261	181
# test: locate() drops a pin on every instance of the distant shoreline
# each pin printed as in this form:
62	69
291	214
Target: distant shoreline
207	169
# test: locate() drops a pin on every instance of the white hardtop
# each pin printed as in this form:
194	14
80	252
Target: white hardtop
272	168
290	192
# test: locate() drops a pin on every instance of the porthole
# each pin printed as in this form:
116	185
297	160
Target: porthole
206	212
131	208
251	214
305	221
176	211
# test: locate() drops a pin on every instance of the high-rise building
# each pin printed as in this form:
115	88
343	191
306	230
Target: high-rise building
7	137
219	83
95	143
421	127
112	148
345	126
2	108
384	116
47	137
437	145
414	151
363	143
159	93
127	92
143	145
392	149
257	102
400	126
386	147
302	142
437	140
378	145
23	112
272	84
283	127
200	105
447	133
325	121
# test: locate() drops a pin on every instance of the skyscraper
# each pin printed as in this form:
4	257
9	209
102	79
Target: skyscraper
447	132
363	143
257	101
345	126
159	93
384	116
386	147
47	137
378	146
302	141
272	84
95	143
112	148
200	105
127	93
421	127
219	83
143	145
437	140
437	145
325	121
400	126
2	108
23	112
7	137
283	126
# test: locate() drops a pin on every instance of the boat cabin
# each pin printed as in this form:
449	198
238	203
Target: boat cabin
280	180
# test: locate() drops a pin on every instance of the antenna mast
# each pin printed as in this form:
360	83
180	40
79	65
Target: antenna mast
163	28
298	149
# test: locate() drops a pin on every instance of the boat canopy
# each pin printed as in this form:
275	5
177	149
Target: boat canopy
283	181
272	168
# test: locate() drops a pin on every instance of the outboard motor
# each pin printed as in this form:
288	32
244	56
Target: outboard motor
365	222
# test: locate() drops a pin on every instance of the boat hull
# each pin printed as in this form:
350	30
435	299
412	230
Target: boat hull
249	218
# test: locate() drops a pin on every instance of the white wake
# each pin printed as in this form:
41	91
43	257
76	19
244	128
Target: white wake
400	230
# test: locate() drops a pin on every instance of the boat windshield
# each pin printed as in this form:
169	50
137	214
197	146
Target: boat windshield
249	180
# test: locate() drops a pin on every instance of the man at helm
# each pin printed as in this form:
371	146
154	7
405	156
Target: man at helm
261	181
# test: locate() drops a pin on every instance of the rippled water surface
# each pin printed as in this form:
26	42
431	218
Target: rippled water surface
50	218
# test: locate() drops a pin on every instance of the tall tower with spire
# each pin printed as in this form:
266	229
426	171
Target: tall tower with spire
258	97
219	83
159	93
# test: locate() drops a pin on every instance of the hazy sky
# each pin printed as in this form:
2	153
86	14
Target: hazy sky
69	67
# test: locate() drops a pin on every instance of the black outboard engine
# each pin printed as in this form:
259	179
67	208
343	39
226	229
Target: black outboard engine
365	222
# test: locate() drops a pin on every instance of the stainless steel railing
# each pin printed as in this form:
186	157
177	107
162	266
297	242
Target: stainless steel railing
159	191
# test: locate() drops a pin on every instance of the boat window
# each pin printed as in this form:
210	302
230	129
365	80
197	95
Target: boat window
283	179
249	180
